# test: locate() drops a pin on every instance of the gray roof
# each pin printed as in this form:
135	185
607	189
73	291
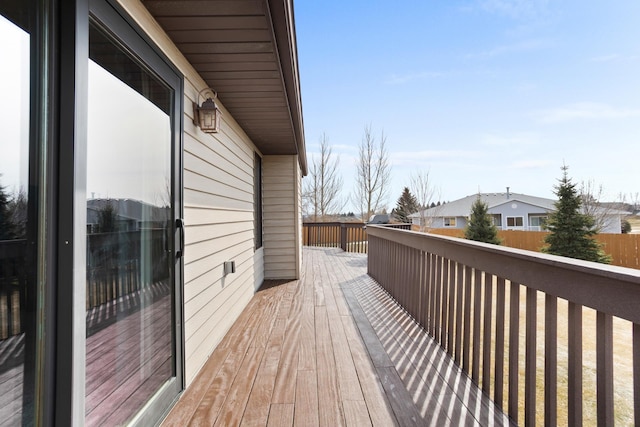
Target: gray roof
127	209
462	207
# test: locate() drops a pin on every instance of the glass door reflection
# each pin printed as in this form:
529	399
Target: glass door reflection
18	288
129	235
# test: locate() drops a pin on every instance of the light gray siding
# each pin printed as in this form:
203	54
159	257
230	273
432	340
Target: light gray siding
218	198
281	188
516	208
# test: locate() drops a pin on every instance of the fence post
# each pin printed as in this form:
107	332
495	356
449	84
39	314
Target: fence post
343	236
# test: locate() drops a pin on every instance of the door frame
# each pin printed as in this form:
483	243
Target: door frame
71	18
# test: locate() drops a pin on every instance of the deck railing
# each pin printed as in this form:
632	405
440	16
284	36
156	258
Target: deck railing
114	264
479	300
349	236
113	271
13	279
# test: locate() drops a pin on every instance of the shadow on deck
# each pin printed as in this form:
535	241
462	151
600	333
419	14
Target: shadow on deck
330	349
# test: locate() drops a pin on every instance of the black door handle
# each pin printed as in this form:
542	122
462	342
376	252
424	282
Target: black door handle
180	227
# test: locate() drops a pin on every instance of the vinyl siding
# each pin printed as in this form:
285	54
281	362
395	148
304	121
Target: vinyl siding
281	212
218	213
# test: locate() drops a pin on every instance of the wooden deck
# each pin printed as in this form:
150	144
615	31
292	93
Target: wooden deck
330	349
134	328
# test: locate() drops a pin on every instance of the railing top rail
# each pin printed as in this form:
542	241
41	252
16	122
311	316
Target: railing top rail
354	224
333	223
12	248
582	282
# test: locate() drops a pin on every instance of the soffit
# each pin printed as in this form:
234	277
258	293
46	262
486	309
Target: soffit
245	50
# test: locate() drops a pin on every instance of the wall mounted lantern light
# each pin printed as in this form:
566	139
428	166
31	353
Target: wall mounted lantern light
207	115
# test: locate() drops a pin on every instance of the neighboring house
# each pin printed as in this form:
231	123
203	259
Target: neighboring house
130	215
105	106
510	211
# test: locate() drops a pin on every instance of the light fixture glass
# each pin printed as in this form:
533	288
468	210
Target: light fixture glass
207	115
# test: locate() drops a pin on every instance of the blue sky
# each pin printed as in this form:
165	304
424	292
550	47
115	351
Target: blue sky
482	94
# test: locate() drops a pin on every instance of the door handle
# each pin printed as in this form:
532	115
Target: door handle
180	227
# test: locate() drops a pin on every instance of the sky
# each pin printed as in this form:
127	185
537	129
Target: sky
125	160
14	110
481	94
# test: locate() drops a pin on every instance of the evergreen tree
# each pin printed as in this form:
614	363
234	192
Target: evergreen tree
107	218
7	227
405	206
572	232
480	227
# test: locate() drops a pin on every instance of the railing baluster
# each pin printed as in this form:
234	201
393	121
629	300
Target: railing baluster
574	388
604	367
414	268
451	305
410	299
459	309
514	343
444	297
438	286
486	334
550	360
636	373
499	361
408	293
432	294
530	360
424	299
403	275
477	297
467	319
424	291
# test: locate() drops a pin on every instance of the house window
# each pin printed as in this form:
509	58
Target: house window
257	200
515	221
449	221
497	220
538	221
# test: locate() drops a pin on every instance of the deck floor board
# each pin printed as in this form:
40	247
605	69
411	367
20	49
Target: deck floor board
331	348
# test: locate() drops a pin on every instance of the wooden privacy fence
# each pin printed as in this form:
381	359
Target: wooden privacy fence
623	248
478	301
350	236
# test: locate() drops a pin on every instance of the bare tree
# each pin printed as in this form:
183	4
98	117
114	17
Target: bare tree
322	188
603	213
633	201
373	174
426	194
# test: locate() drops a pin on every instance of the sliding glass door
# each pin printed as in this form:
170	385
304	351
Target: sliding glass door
90	218
132	208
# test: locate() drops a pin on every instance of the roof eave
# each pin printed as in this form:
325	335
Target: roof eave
284	36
